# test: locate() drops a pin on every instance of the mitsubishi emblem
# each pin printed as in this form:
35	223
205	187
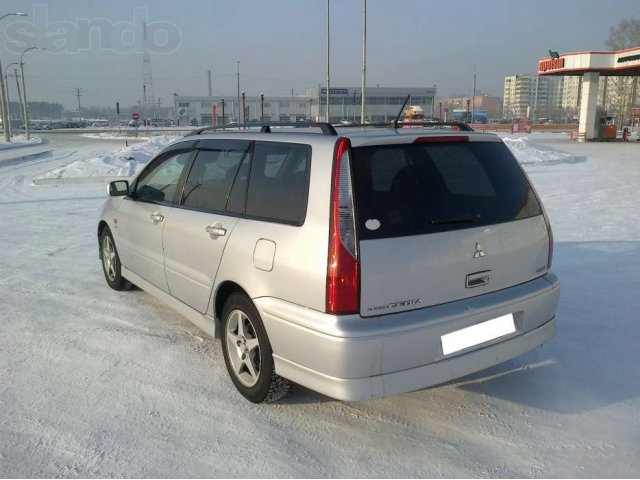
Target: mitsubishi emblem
479	253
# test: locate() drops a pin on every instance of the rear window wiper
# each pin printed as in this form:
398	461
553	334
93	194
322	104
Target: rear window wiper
464	218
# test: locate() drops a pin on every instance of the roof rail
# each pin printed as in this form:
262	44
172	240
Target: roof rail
329	129
325	128
427	124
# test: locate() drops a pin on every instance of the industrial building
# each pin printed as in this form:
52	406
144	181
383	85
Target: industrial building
382	105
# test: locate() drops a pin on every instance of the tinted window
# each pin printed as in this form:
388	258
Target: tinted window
435	187
238	195
161	182
212	174
278	182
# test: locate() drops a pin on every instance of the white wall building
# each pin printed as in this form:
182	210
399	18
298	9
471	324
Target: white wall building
382	105
532	96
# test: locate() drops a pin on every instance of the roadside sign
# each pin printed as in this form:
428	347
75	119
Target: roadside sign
135	116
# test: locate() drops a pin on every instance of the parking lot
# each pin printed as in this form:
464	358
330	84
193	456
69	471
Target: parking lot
99	383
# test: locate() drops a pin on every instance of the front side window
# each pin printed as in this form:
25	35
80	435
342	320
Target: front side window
212	175
161	182
278	182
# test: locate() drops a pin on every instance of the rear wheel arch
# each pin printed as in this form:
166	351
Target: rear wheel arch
224	291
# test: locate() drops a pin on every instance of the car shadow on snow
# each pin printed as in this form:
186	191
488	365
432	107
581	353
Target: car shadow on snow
593	360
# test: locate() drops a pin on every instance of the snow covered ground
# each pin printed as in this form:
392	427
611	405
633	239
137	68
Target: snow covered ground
99	383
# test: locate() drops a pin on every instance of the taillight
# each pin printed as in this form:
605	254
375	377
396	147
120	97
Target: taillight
343	270
550	235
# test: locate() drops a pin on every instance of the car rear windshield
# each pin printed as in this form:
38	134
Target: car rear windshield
422	188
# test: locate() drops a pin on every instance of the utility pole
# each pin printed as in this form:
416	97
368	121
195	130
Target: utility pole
238	91
78	93
209	82
262	107
364	59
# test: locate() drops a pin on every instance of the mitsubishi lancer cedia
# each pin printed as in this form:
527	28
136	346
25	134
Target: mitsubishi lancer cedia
358	264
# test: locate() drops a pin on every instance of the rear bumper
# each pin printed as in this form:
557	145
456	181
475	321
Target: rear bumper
356	358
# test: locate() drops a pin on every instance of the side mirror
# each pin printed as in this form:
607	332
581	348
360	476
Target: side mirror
119	188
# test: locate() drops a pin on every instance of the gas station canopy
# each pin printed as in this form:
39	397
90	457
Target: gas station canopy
620	63
590	65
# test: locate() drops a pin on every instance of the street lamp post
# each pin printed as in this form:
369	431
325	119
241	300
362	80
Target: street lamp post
25	110
262	107
15	73
364	61
3	98
6	82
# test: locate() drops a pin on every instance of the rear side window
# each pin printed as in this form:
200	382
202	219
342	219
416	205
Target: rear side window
211	177
422	188
279	182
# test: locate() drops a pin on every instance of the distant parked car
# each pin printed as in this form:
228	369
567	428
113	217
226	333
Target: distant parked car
160	122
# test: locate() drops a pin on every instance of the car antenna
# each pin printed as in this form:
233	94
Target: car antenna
395	122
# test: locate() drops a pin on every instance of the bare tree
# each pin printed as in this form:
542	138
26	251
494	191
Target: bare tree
625	34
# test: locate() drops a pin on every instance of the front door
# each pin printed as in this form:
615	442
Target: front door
144	214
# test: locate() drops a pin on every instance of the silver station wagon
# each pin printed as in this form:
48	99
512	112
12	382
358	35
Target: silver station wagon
358	263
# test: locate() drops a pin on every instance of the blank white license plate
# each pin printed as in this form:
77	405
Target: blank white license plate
477	334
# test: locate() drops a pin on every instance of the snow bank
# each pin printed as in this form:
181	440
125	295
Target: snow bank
124	162
529	152
20	141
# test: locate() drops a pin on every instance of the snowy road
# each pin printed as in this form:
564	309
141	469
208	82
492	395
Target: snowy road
99	383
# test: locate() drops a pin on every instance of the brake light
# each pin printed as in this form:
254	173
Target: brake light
550	235
343	270
442	138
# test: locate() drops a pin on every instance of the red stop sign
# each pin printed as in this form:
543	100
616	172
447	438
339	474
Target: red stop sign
135	116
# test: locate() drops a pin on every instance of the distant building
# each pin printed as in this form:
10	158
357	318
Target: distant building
532	96
199	109
382	105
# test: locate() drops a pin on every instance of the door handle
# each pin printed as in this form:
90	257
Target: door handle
216	230
157	217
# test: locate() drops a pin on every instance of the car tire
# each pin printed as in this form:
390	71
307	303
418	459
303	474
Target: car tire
247	352
111	266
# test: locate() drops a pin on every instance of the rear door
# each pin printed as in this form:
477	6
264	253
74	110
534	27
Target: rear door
195	236
440	221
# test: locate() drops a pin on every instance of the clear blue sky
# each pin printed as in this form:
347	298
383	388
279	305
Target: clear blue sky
281	43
